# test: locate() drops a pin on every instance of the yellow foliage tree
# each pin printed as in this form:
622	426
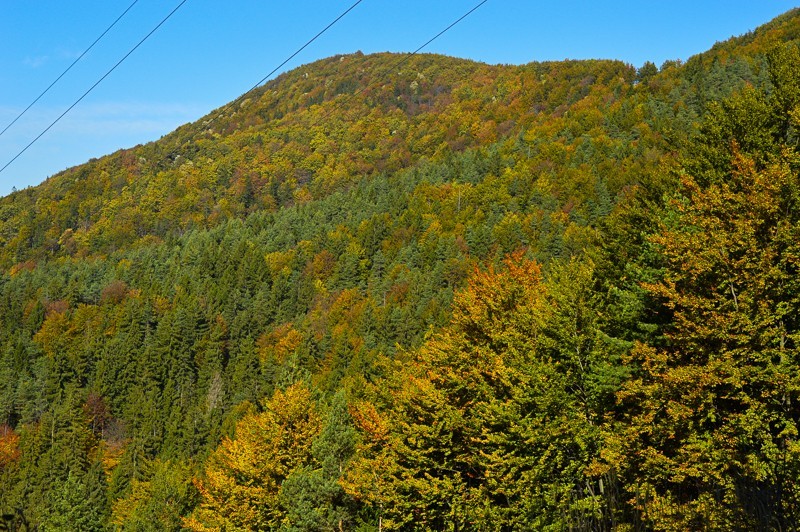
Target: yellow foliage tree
241	486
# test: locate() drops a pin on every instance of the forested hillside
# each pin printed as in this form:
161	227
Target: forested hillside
391	292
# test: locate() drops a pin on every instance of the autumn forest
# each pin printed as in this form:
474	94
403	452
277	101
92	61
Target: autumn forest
385	292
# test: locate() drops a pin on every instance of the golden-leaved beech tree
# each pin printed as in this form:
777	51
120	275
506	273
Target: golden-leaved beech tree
241	487
491	424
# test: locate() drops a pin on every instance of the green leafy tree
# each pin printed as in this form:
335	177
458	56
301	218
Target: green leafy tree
77	503
158	503
313	496
710	433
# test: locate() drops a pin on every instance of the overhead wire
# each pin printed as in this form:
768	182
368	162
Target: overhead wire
31	143
265	78
400	63
20	115
314	38
309	42
448	28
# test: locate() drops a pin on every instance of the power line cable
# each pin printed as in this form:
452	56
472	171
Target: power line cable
314	38
31	143
320	33
362	89
405	58
265	78
69	68
448	28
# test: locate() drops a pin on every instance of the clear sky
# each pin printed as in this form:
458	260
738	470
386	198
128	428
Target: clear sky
212	51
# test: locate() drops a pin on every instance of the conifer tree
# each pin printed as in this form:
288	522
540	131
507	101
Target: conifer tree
490	424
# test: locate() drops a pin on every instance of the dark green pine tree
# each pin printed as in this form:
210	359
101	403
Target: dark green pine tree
312	496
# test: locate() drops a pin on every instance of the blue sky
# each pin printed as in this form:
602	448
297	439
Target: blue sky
211	51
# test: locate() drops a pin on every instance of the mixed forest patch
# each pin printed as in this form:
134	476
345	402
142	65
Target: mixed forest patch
450	296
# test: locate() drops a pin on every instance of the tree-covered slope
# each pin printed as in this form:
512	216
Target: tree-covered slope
308	133
420	292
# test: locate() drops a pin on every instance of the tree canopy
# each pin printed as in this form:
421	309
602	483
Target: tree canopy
447	296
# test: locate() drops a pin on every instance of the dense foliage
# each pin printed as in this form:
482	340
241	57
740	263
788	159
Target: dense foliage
394	293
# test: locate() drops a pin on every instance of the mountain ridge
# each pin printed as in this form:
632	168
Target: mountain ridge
297	93
387	142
